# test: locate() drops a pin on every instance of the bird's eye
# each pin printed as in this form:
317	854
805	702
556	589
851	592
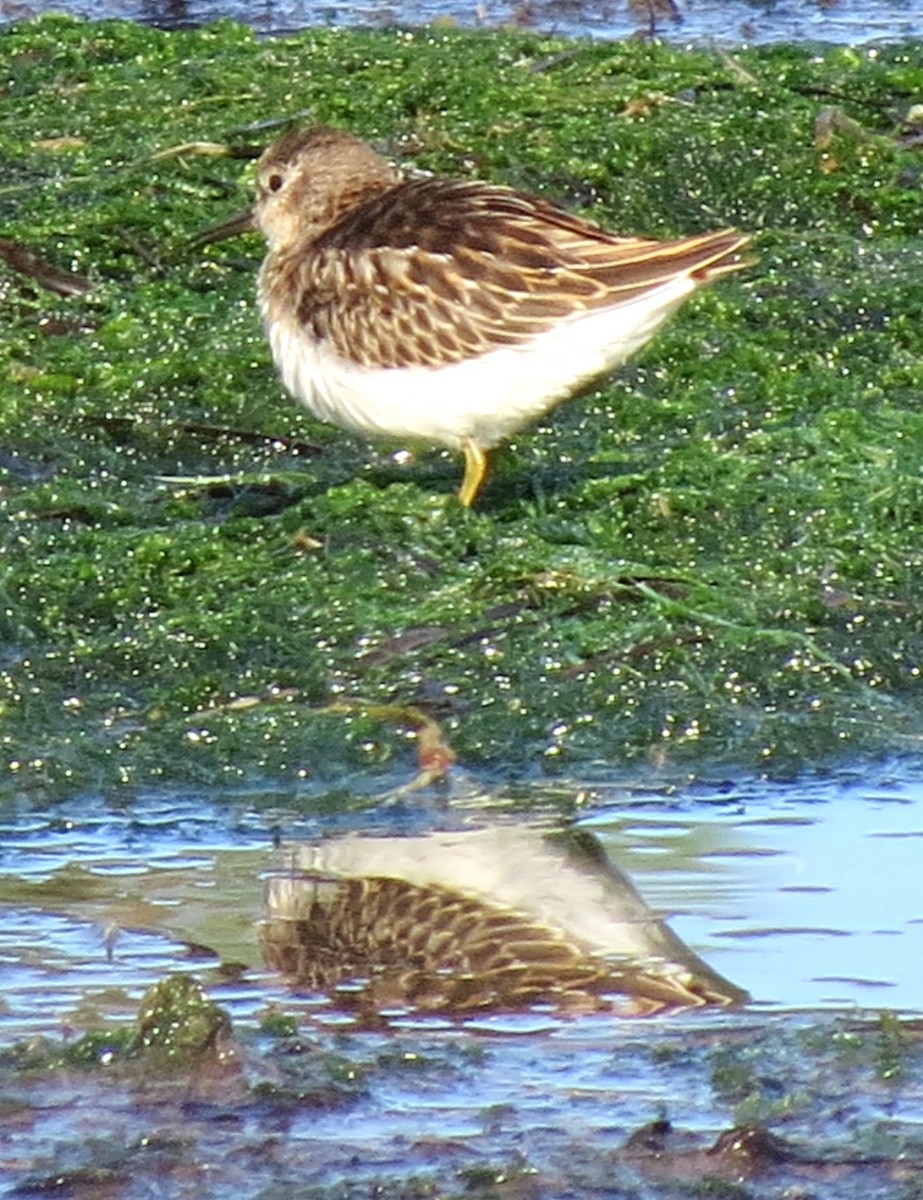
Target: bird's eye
274	182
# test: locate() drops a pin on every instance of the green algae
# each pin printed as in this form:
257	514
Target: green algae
177	1023
176	1028
715	554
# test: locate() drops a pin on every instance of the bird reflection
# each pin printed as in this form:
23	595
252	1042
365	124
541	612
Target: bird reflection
492	919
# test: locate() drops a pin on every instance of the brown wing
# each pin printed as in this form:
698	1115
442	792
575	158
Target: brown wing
436	948
435	271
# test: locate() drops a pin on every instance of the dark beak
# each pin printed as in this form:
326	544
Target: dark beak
241	222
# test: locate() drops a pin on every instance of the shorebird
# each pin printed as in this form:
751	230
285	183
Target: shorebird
447	311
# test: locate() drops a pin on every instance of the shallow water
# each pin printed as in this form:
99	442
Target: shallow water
806	894
851	22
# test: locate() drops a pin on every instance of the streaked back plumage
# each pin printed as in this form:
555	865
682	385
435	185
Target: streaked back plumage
446	310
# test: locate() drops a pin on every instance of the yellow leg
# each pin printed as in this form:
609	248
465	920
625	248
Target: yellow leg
475	470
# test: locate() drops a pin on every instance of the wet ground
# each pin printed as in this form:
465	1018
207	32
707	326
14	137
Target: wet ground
804	893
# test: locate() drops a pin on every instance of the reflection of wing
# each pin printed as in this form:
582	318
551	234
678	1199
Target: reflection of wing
503	917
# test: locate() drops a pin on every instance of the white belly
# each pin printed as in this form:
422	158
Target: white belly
486	398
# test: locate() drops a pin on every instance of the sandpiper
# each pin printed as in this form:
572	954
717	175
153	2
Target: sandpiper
447	311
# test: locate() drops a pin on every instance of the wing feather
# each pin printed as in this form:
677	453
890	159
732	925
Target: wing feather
435	271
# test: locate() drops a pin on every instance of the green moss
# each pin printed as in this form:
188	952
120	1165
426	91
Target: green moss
279	1026
304	1077
177	1024
893	1050
713	554
99	1048
887	1054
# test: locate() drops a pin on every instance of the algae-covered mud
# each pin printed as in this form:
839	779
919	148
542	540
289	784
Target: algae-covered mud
425	1114
714	553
